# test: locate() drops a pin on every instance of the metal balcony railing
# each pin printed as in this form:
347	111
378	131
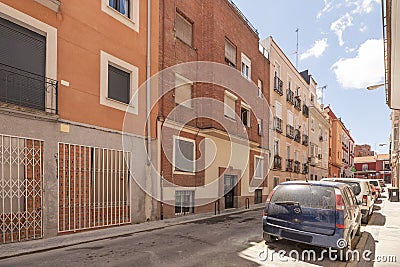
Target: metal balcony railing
297	166
305	110
305	140
305	168
278	124
27	89
289	165
290	96
290	131
297	135
278	85
297	103
243	17
277	162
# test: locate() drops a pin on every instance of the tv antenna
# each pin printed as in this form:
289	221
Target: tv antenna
322	93
297	49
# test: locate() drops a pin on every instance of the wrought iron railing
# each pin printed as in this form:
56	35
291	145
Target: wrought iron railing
277	162
297	136
290	131
278	85
305	139
243	16
305	168
297	103
278	124
289	165
305	110
297	166
290	96
27	89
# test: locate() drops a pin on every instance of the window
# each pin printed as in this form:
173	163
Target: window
258	196
258	167
278	109
364	167
260	86
312	98
230	53
296	155
260	127
312	125
276	181
184	29
245	115
246	67
118	84
288	151
184	202
122	6
290	118
277	70
125	11
289	83
276	147
229	105
287	179
183	91
184	150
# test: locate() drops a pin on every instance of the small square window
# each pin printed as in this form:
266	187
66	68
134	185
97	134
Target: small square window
259	167
246	67
260	127
230	105
184	155
122	6
260	88
183	91
184	202
230	53
118	84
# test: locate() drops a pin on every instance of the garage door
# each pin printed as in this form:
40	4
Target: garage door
22	62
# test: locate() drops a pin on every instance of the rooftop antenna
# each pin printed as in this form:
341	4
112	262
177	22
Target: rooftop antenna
322	93
297	49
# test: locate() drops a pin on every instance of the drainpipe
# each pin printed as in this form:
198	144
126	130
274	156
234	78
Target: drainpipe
148	182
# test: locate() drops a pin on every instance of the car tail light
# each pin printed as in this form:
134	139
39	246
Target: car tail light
265	213
364	200
340	226
271	194
339	199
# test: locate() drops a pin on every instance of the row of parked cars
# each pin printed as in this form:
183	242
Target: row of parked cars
320	213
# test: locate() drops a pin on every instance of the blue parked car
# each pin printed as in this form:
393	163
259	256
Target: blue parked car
312	212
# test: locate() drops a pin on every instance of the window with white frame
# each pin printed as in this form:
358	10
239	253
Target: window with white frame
118	83
288	151
276	147
278	109
258	167
184	202
246	67
290	118
125	11
245	114
230	53
260	127
260	88
183	91
230	105
364	167
184	29
184	155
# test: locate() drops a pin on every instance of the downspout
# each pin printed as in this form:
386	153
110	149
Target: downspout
148	207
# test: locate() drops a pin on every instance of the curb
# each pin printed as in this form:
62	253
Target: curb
40	249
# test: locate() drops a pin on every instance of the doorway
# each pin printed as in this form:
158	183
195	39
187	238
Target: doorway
230	182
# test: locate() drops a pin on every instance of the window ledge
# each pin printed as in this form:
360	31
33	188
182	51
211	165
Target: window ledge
132	23
184	173
51	4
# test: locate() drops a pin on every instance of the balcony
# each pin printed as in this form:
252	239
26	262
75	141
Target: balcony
290	131
278	124
277	162
305	168
305	111
313	160
305	140
297	136
28	90
289	165
297	166
297	103
290	96
278	85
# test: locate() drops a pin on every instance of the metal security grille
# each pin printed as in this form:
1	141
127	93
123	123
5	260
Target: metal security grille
21	173
93	187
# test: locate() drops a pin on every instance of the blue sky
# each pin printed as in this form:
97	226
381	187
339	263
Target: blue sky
340	42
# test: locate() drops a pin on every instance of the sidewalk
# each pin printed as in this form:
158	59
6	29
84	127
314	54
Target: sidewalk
384	227
29	247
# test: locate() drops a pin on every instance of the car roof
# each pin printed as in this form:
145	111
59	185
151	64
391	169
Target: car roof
320	183
346	179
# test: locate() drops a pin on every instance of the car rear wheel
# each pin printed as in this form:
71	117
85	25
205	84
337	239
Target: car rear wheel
365	219
269	238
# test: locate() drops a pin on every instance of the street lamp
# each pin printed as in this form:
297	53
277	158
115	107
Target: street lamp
376	86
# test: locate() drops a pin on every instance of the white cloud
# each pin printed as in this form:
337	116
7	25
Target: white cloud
363	70
349	49
327	7
340	25
362	6
316	50
363	28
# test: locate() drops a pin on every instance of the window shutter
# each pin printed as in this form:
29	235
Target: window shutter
183	92
184	155
229	107
278	109
118	84
230	52
290	118
184	29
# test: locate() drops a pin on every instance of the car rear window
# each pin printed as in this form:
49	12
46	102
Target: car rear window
312	196
375	183
355	186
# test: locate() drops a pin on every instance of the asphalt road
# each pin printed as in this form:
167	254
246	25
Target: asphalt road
233	240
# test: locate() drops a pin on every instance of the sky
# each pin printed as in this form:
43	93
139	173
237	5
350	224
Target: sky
340	43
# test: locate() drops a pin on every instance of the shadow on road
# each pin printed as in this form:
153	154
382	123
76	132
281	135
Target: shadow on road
377	219
376	207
